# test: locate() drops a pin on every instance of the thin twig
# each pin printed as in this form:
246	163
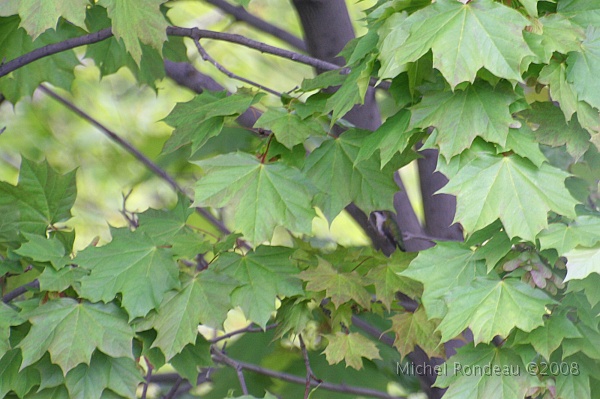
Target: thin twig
310	375
174	388
17	292
248	329
147	379
193	33
222	358
227	72
240	14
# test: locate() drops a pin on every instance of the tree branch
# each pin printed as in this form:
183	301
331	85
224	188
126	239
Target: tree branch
17	292
193	33
310	375
239	13
248	329
222	358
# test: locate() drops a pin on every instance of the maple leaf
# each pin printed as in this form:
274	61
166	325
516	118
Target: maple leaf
41	198
120	375
507	379
453	264
333	169
340	287
288	128
581	262
72	330
203	299
584	65
262	275
42	249
131	264
491	307
413	329
465	38
547	338
20	381
351	348
460	116
555	76
504	187
583	230
38	16
264	196
203	117
56	69
387	279
135	22
8	317
553	33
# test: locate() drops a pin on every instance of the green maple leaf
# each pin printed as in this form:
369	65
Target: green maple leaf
492	307
60	280
164	226
388	281
413	329
460	116
72	330
262	275
133	265
584	66
465	38
555	76
553	33
203	299
38	16
333	169
523	142
203	117
351	348
453	264
582	261
583	230
191	357
56	69
264	196
288	128
504	187
41	249
8	317
584	13
292	316
547	338
554	131
120	375
510	382
41	198
589	286
340	287
573	386
391	137
20	381
135	22
588	344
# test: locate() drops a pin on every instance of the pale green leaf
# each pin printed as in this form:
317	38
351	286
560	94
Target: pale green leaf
492	307
583	230
263	196
414	329
393	33
132	264
581	262
288	128
72	330
453	265
137	21
42	198
340	287
582	12
523	143
504	187
575	384
351	348
333	169
460	116
261	275
464	38
38	16
120	375
555	76
583	68
463	374
203	299
553	33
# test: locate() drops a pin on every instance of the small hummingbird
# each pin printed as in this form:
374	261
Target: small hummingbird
385	223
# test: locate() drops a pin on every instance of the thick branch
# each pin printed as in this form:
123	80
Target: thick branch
240	14
17	292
